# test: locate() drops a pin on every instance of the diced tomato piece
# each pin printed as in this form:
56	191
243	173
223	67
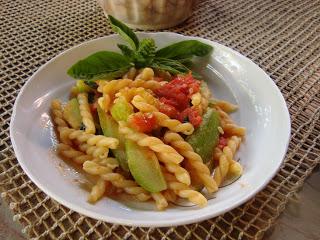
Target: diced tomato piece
172	94
183	116
170	102
143	122
191	115
179	91
194	117
223	141
168	110
175	99
189	85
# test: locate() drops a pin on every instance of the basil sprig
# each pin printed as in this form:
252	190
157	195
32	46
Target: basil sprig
100	65
175	58
143	56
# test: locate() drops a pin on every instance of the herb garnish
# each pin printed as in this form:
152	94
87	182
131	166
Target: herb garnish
175	58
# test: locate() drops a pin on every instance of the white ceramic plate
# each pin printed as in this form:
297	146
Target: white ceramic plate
231	76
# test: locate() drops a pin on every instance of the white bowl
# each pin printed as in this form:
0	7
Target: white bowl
231	76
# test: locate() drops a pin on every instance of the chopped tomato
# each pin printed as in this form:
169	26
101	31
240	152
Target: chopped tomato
183	116
173	95
167	101
175	99
143	122
194	117
168	109
188	83
191	115
179	91
223	141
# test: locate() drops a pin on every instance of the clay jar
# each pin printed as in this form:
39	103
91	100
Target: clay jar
149	14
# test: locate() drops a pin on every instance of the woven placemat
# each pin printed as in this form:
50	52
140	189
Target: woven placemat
283	37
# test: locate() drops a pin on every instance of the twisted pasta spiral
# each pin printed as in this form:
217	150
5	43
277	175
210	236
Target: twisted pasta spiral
235	168
57	114
97	191
129	93
154	143
183	191
160	200
141	104
162	119
58	120
224	117
205	96
113	86
194	159
91	139
169	195
225	159
104	102
110	88
233	129
180	173
131	74
116	179
72	154
85	113
225	106
97	152
146	74
102	141
173	124
107	162
147	84
196	99
228	126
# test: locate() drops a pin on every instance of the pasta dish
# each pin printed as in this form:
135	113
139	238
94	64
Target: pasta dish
143	124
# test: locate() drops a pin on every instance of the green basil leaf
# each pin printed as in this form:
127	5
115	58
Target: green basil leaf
196	75
170	65
126	51
110	75
145	54
186	61
125	32
100	65
184	49
173	66
147	48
